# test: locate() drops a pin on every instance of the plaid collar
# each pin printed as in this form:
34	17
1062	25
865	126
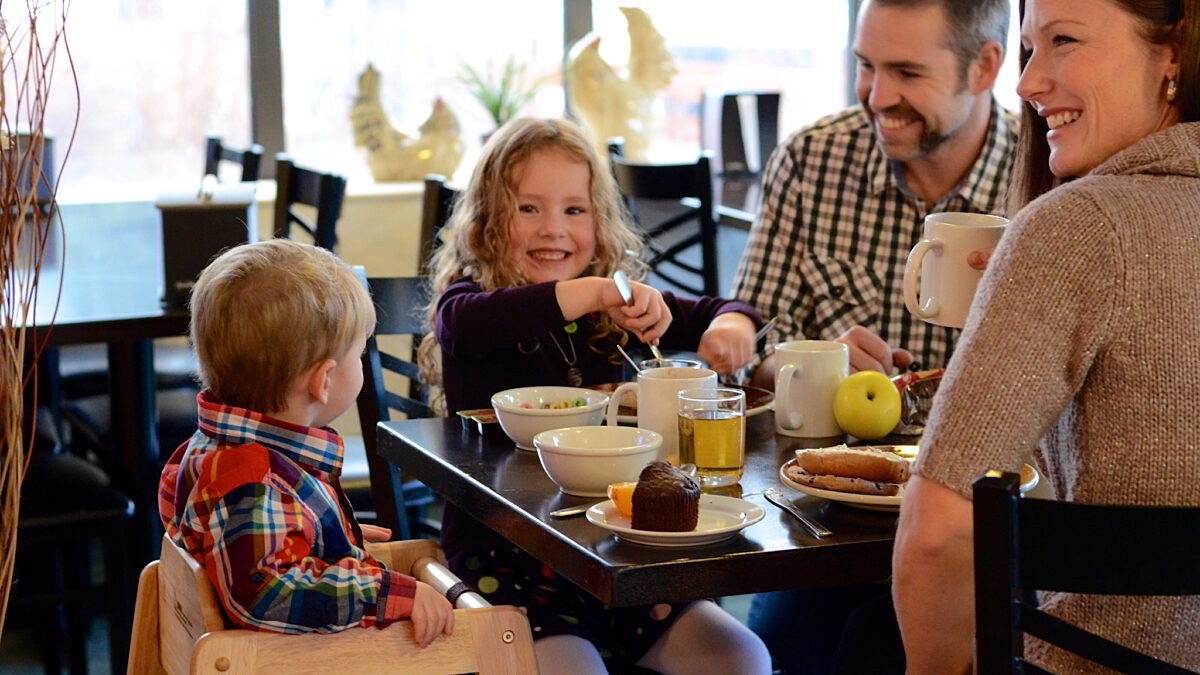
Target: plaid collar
320	448
987	175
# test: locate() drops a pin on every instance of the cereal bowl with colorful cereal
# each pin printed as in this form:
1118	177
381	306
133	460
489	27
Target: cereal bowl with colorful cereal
525	412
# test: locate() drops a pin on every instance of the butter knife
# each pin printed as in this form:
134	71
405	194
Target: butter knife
776	497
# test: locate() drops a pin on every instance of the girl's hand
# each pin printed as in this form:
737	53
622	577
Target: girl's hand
728	344
431	615
647	317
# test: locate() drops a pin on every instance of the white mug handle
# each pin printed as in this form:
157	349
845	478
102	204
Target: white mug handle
792	419
912	299
614	401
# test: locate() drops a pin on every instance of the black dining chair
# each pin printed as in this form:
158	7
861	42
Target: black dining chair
436	207
69	511
308	187
216	154
1027	545
673	206
398	504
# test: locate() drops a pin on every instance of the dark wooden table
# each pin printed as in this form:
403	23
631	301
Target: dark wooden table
110	276
507	489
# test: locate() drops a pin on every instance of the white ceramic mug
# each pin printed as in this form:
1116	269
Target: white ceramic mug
947	282
807	375
657	392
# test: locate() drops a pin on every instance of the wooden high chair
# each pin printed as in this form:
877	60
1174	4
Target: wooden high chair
180	627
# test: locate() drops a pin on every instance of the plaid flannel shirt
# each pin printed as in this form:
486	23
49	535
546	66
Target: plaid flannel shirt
828	248
257	501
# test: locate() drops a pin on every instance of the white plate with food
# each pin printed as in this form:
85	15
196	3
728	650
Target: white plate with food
1029	479
758	400
720	518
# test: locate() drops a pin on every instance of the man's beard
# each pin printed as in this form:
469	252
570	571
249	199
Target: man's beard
931	137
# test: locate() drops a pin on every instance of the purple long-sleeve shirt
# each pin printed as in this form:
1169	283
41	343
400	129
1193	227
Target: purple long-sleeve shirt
496	340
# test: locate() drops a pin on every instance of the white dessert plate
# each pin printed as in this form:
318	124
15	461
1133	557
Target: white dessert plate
720	518
1029	479
758	400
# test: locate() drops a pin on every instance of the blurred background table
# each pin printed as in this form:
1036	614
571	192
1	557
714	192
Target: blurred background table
507	490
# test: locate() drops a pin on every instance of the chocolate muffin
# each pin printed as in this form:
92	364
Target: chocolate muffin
665	499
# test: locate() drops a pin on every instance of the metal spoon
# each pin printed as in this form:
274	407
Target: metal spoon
636	367
626	292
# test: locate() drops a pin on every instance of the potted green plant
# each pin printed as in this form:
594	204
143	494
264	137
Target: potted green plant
503	95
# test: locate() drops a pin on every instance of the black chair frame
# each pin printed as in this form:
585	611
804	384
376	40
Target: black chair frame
299	185
692	182
215	152
1027	545
397	301
436	207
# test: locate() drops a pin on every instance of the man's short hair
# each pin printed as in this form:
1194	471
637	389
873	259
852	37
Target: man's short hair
264	313
969	24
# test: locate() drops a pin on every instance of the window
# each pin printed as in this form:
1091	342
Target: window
417	47
154	79
797	48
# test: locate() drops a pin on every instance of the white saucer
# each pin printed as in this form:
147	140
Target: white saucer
720	518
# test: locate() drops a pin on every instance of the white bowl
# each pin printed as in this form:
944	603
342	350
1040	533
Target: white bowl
583	461
522	424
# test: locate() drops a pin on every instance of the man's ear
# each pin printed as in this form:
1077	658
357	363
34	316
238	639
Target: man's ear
318	380
981	76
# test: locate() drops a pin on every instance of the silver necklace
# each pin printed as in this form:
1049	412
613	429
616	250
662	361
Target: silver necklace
574	377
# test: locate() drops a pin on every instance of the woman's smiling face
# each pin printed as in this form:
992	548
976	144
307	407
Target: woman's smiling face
553	231
1095	79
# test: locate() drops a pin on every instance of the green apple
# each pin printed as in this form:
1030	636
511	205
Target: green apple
867	405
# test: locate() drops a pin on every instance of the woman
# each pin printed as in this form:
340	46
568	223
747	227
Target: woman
1078	346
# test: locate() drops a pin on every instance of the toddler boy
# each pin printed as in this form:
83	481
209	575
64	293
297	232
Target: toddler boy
279	328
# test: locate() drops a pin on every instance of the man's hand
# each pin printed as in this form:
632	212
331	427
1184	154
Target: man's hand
431	615
728	343
868	351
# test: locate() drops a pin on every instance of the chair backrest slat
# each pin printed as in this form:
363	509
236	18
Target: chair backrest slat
438	203
298	185
1025	545
249	159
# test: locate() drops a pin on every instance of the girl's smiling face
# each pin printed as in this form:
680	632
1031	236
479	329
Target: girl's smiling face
553	231
1098	83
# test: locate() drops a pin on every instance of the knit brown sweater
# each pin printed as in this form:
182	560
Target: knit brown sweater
1082	346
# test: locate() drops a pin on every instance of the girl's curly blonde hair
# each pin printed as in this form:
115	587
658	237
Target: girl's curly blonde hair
475	240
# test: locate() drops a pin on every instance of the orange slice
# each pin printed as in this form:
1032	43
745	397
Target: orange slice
622	495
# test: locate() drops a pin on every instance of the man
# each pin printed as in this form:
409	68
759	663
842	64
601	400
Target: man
845	201
845	198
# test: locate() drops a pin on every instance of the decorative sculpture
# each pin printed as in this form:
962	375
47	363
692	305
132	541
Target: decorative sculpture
611	105
395	156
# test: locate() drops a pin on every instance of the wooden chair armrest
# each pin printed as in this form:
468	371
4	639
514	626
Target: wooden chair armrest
402	555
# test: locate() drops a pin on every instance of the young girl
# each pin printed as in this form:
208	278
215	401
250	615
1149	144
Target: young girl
524	296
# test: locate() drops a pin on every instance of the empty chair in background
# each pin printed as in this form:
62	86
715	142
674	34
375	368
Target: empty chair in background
681	236
217	154
324	192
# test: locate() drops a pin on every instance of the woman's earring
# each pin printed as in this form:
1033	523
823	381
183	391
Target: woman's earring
1172	90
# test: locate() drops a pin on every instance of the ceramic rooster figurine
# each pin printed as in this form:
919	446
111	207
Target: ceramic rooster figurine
395	156
613	105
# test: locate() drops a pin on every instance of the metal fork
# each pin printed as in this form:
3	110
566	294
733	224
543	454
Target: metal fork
776	497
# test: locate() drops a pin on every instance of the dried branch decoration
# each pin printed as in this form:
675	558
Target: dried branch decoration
29	52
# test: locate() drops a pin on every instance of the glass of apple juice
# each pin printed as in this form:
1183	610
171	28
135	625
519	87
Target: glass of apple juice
712	434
